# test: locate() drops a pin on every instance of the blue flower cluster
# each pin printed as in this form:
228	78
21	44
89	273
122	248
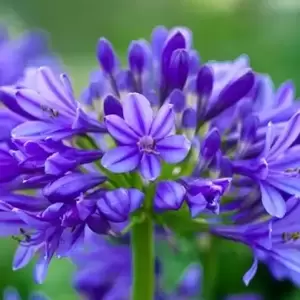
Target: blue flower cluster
166	133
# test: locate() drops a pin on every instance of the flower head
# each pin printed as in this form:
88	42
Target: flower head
143	139
212	142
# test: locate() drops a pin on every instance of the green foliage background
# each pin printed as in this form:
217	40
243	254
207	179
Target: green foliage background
222	29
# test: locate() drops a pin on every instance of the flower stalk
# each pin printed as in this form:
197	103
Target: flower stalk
143	260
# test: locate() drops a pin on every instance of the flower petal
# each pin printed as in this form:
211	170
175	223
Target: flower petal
287	136
106	55
177	99
284	182
164	122
251	272
71	186
196	204
56	164
116	205
41	269
9	121
54	91
36	130
138	113
272	201
121	159
150	166
231	94
169	196
173	149
112	106
33	103
118	128
23	256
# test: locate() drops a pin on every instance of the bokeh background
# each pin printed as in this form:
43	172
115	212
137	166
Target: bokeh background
267	30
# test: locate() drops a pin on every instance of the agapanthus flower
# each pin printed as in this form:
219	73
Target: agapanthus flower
168	139
56	223
144	140
274	241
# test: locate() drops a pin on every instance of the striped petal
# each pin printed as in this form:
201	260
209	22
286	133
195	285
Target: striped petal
173	149
138	113
121	159
272	201
164	122
118	128
150	166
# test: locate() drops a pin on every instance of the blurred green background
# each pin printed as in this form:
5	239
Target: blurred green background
267	30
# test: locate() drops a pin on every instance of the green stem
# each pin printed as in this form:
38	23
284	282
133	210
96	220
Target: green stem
143	260
211	270
142	241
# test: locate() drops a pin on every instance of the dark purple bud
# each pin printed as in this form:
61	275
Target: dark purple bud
158	38
112	106
189	119
106	55
204	82
190	282
174	42
177	98
71	186
169	196
231	94
117	205
186	32
178	69
210	144
194	62
137	57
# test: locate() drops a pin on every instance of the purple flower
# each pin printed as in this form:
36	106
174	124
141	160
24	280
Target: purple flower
214	137
50	106
205	194
56	224
143	139
275	170
50	158
275	240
